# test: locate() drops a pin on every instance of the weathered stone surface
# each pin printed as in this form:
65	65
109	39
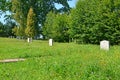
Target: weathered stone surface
11	60
50	42
104	45
29	40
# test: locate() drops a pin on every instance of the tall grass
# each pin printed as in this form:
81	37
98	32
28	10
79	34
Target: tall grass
62	61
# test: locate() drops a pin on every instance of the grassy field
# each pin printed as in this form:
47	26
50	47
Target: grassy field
63	61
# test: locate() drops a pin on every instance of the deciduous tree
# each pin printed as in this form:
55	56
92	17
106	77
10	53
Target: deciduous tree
56	27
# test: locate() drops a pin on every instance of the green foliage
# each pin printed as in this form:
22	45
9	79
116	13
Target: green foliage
93	21
6	29
20	8
56	27
89	22
5	5
63	61
2	29
18	31
15	31
9	25
31	20
48	26
20	15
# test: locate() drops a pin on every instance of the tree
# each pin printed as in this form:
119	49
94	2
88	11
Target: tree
2	30
9	25
20	15
93	21
15	30
6	29
48	25
19	10
31	19
56	27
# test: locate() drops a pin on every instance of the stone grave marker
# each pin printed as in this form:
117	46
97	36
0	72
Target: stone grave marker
11	60
104	45
29	40
50	42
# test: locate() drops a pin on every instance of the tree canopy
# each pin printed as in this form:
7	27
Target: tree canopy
90	21
20	8
56	26
96	20
31	19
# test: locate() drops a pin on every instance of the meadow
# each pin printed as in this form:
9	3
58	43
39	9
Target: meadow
62	61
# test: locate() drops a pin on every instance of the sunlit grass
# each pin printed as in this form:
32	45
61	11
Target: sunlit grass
62	61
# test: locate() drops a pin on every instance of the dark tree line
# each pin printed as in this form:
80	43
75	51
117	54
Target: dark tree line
6	29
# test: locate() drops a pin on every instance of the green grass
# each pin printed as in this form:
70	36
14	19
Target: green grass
63	61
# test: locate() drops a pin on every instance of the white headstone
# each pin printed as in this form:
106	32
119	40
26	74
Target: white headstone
29	40
104	45
50	42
